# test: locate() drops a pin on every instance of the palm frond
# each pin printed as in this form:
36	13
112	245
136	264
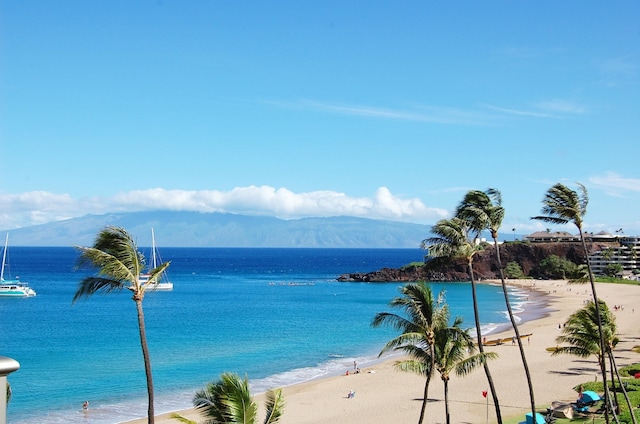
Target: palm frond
562	205
180	418
412	366
92	285
274	406
470	363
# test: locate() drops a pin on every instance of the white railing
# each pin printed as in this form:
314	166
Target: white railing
7	366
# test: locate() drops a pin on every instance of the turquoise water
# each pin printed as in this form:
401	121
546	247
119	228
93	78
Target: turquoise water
276	315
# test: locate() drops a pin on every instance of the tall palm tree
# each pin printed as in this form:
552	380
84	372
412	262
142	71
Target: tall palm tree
485	209
454	351
580	333
423	316
562	205
119	264
456	238
229	400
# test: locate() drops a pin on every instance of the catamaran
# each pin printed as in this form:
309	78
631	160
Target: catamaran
12	288
163	282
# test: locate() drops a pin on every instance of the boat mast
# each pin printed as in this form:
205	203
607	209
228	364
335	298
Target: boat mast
153	250
4	256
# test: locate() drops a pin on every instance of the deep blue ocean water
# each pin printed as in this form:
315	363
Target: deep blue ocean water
277	315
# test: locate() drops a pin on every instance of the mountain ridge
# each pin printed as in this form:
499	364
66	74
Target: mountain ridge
199	229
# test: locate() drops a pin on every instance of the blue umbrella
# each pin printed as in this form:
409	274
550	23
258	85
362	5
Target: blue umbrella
589	396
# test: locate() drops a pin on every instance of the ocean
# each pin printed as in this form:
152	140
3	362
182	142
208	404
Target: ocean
278	316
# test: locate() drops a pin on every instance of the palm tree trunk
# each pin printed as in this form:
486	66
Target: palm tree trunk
446	401
614	397
515	327
487	372
612	401
603	369
624	391
426	391
147	360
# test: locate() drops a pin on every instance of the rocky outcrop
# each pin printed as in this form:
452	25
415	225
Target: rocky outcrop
528	255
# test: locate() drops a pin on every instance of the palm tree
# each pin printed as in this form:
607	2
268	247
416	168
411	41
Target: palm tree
119	264
456	238
580	332
454	351
485	208
423	315
562	205
229	400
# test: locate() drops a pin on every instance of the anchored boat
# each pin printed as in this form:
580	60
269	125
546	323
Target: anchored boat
12	287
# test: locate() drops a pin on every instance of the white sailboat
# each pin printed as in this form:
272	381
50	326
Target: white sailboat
12	288
163	282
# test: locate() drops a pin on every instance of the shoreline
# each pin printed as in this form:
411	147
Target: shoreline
385	395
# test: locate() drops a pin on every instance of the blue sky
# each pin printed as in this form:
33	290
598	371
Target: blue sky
386	110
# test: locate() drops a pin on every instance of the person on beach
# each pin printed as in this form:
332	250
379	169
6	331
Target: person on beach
85	405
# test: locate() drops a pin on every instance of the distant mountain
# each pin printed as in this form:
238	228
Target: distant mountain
195	229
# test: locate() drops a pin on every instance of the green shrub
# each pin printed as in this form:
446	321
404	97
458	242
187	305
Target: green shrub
629	370
513	270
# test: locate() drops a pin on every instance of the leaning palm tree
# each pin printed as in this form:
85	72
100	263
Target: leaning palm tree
454	351
423	316
457	238
229	400
485	209
562	205
119	264
580	334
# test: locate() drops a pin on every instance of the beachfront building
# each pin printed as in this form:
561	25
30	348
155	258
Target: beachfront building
627	255
551	236
621	250
564	237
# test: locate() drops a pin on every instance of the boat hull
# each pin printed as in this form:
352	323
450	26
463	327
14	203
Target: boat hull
16	290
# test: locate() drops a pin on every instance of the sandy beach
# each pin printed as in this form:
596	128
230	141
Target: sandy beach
384	395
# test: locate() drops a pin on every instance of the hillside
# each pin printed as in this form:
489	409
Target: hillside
528	255
194	229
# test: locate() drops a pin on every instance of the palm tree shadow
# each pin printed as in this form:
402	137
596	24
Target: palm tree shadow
574	371
428	399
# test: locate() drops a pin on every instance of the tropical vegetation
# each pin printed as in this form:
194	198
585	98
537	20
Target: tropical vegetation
562	205
429	341
229	400
118	264
484	210
422	316
555	267
513	270
457	238
580	337
454	351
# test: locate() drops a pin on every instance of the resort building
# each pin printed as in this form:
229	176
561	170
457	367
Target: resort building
627	255
623	250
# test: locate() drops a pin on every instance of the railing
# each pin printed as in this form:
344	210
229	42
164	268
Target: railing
7	366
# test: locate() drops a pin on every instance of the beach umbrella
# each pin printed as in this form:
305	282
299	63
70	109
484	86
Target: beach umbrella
590	396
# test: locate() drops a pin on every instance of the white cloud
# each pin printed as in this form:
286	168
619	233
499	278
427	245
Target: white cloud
614	184
552	109
562	106
40	207
431	114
